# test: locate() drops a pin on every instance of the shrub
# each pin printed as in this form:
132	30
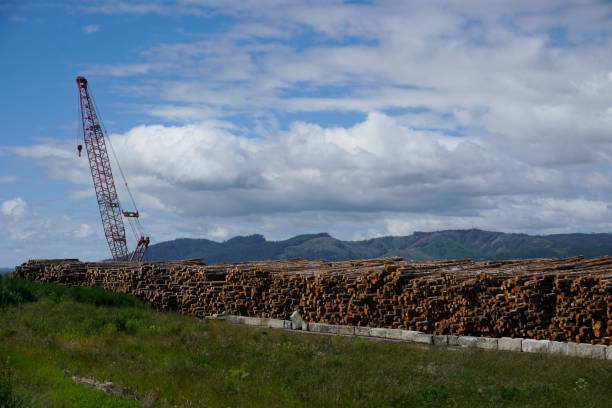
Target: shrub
15	290
129	321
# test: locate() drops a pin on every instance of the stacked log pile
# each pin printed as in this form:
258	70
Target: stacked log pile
567	299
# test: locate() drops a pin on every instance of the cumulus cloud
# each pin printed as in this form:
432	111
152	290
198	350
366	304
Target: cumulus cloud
309	167
380	175
58	158
83	231
29	234
465	114
15	209
496	71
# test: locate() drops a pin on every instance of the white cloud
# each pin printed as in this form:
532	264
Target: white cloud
90	29
546	104
161	7
21	235
83	231
377	167
59	159
81	193
126	69
514	214
219	233
189	113
40	236
522	86
46	236
15	209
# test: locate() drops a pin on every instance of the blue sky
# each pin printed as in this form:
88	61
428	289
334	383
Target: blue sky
278	117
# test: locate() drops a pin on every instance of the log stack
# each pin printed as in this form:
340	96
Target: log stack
564	299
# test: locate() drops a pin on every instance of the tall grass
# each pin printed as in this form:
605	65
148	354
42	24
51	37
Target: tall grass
7	397
166	359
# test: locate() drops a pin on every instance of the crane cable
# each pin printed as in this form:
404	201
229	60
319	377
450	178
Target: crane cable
79	124
135	225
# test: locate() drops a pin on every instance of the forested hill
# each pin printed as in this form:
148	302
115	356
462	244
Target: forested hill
474	244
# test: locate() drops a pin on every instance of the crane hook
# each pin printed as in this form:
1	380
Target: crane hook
79	148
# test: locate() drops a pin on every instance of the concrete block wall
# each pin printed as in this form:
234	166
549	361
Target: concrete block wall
582	350
510	344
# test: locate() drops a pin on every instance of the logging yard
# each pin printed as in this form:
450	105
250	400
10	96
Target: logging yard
560	299
353	203
118	334
384	332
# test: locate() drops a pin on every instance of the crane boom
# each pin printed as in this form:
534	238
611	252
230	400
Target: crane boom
104	184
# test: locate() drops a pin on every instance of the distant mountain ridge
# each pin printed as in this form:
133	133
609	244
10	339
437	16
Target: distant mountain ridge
475	244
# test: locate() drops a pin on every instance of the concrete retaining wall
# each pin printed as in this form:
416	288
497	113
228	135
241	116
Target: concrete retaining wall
296	323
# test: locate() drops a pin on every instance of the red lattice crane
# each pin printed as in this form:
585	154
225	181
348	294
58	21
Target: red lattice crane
104	184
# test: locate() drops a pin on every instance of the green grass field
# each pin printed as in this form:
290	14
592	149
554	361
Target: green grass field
49	333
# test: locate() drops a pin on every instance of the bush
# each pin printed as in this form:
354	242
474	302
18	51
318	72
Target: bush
15	290
93	295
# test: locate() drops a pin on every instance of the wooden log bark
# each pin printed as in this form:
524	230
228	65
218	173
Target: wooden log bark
565	299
